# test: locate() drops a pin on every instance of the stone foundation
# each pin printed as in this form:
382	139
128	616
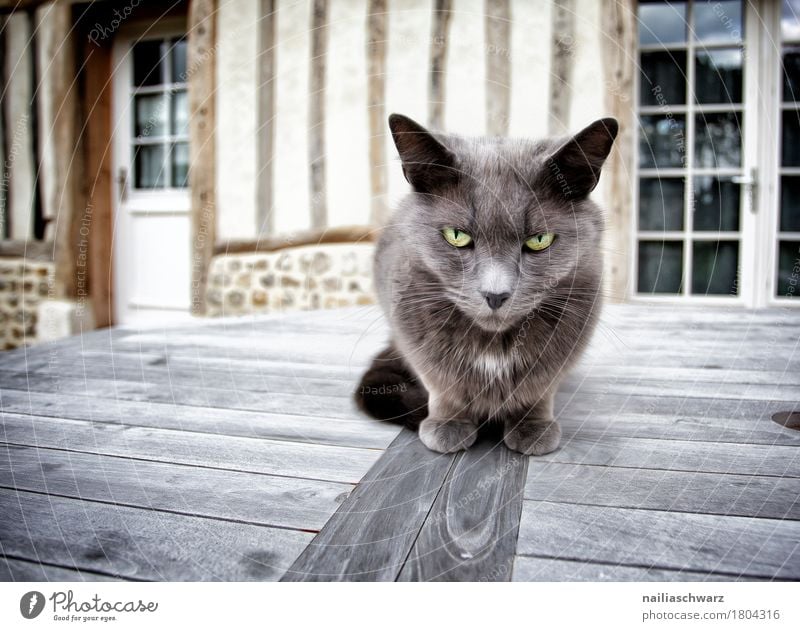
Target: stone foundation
24	285
309	277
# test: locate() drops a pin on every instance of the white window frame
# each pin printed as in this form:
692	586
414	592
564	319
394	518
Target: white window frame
760	153
771	156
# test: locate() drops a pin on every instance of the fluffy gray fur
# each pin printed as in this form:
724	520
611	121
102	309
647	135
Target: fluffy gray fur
480	364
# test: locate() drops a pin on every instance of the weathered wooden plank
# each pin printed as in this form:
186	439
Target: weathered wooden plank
370	536
471	532
549	570
363	433
307	404
709	493
246	497
746	546
34	572
584	447
142	544
300	460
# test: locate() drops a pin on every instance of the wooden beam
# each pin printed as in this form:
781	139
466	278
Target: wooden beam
316	113
326	236
201	62
377	34
438	64
97	104
27	249
268	21
561	60
60	170
618	46
498	66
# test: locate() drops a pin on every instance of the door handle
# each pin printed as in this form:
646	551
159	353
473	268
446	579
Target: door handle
749	183
122	183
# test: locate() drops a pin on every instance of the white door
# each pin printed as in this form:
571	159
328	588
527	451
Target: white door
151	160
718	182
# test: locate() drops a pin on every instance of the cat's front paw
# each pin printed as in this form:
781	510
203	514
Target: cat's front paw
532	437
447	436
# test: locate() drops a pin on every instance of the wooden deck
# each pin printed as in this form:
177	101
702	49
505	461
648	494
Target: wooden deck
231	450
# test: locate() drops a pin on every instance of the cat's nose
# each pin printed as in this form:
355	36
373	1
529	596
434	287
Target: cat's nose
495	301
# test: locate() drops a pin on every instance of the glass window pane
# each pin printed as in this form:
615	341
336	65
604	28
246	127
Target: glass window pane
788	285
791	74
661	204
718	76
180	113
718	141
660	265
178	61
663	78
717	21
790	203
790	19
147	63
148	166
150	115
715	266
791	138
180	164
716	204
662	22
662	141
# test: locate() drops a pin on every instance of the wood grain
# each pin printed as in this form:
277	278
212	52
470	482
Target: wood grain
471	532
745	546
370	536
141	544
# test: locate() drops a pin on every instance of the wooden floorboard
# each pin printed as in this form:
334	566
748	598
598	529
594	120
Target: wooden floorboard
747	546
710	493
553	570
34	572
141	544
230	495
271	457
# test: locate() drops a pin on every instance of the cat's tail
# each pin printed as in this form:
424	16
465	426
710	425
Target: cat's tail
390	391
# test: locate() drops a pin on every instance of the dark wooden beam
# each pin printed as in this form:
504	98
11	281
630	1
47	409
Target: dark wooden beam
498	66
440	31
201	73
98	154
377	23
267	26
316	113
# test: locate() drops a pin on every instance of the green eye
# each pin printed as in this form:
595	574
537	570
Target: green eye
456	237
540	241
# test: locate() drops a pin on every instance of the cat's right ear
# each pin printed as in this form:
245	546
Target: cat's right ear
427	163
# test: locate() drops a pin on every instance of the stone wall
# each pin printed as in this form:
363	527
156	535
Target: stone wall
308	277
23	285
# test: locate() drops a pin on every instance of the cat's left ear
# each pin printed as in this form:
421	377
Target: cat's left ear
574	169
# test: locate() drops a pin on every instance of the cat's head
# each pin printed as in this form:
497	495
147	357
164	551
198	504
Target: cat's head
505	225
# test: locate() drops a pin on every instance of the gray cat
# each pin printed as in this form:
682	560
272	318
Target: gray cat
489	273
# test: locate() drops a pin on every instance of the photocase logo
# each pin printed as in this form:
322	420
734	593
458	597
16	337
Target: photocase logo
31	604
